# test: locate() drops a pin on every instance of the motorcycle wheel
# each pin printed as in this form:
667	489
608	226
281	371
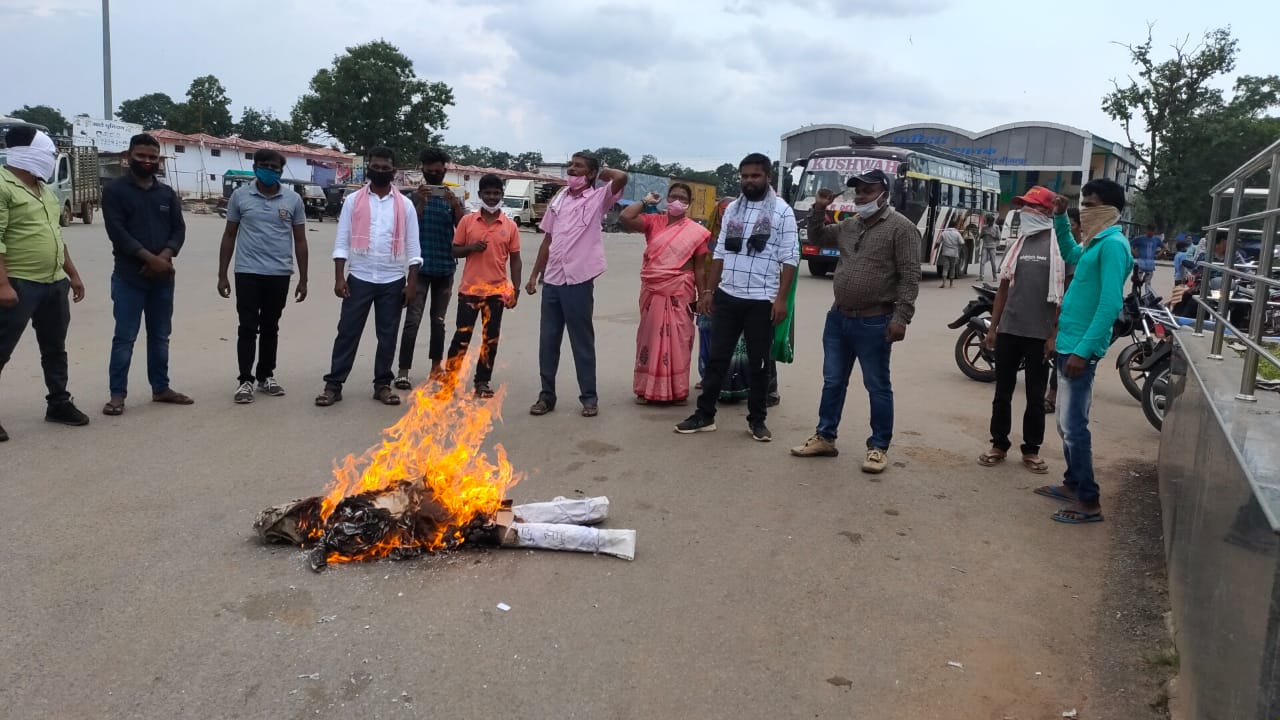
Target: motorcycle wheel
1155	394
1131	373
972	359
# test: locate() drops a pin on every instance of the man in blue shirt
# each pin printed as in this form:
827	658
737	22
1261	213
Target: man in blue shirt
439	212
1180	272
1144	250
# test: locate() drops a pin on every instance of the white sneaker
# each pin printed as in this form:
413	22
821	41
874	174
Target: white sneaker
244	395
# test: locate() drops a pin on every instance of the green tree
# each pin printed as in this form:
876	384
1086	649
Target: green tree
370	96
727	180
49	117
527	161
1192	135
263	125
612	157
206	110
151	111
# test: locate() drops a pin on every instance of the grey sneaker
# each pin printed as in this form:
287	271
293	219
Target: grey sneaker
760	433
270	387
816	446
244	395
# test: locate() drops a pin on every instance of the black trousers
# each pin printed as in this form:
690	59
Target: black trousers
436	290
386	300
47	308
260	301
473	308
1012	351
753	321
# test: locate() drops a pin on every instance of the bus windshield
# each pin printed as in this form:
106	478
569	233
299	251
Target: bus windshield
832	172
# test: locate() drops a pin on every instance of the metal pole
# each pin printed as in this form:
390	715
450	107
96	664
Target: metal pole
1261	291
108	111
1224	298
1214	214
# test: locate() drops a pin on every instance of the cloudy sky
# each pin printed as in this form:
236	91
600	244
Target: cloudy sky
696	81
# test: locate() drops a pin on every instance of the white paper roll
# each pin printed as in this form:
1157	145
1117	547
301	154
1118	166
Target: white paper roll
549	536
563	511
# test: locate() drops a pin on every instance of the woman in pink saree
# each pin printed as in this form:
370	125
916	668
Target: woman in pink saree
675	255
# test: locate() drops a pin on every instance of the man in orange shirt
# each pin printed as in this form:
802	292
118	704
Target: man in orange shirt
489	241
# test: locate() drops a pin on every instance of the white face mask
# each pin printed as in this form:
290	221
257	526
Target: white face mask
866	210
38	158
494	208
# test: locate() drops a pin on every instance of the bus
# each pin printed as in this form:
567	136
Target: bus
933	187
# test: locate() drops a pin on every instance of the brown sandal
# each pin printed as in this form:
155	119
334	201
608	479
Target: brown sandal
590	410
114	407
542	407
383	394
328	397
1037	465
172	397
992	457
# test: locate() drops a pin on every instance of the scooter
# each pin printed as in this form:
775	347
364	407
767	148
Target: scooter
972	356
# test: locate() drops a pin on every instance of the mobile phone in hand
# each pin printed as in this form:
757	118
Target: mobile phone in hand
439	191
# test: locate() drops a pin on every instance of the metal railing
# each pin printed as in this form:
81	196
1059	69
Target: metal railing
1233	186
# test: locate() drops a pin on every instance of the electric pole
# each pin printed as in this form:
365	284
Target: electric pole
107	112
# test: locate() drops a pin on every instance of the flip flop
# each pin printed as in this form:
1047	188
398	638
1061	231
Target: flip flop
402	383
590	411
1037	466
1076	517
992	458
172	397
542	407
328	397
1053	493
113	408
483	391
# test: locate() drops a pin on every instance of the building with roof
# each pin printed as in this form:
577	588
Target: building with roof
195	164
1059	157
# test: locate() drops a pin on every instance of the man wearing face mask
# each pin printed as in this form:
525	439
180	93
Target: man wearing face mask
1024	321
375	265
144	221
439	212
876	285
266	229
570	259
752	270
1103	264
36	272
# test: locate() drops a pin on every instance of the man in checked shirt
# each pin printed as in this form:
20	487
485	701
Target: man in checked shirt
876	284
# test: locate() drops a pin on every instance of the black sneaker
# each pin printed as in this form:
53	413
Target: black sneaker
66	413
696	423
761	433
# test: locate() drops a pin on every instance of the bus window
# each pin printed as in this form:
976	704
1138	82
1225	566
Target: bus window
813	181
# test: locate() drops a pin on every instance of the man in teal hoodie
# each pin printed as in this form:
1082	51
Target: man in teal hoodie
1092	302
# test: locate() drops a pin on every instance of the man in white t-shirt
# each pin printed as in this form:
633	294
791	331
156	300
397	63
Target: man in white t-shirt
752	270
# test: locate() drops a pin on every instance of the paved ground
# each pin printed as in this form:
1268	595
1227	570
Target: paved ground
764	586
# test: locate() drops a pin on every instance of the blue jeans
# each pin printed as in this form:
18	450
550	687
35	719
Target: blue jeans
847	340
132	299
1075	396
387	302
568	307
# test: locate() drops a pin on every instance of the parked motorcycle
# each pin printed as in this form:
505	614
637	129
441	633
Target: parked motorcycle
1158	366
972	356
1137	321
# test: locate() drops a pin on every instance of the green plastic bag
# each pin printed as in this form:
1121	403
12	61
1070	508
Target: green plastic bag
784	335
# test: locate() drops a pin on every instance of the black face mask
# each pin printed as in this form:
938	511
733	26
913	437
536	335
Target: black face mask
142	169
381	178
434	179
754	194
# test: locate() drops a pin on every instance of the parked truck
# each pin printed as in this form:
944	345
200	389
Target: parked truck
702	206
75	175
525	201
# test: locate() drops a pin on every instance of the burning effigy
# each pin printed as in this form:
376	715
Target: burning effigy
428	487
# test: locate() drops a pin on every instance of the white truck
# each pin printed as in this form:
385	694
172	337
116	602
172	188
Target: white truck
525	201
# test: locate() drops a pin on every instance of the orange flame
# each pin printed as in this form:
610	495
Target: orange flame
438	443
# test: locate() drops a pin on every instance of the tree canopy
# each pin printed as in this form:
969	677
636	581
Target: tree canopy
370	96
49	117
151	111
206	110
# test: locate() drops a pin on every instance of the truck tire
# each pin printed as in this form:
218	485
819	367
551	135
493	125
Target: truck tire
86	214
819	268
65	218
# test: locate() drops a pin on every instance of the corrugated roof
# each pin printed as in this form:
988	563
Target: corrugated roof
238	142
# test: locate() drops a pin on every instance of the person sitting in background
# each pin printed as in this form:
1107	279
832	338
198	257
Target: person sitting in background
1179	271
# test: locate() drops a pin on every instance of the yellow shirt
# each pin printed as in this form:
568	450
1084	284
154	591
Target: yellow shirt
30	238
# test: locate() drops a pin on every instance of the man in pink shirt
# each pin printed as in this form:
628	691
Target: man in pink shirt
570	259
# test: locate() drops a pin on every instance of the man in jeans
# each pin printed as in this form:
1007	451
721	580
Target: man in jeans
144	221
876	285
1093	300
1024	321
569	260
752	270
990	237
36	272
439	211
266	228
375	259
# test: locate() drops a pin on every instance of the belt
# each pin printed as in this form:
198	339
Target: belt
872	311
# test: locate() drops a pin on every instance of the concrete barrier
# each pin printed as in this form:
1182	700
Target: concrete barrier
1220	497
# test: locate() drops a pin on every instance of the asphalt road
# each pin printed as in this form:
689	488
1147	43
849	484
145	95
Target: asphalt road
764	586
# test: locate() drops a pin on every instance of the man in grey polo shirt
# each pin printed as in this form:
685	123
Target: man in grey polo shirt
266	230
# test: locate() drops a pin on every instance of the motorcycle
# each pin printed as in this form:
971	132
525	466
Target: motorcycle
1136	320
972	356
1158	366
